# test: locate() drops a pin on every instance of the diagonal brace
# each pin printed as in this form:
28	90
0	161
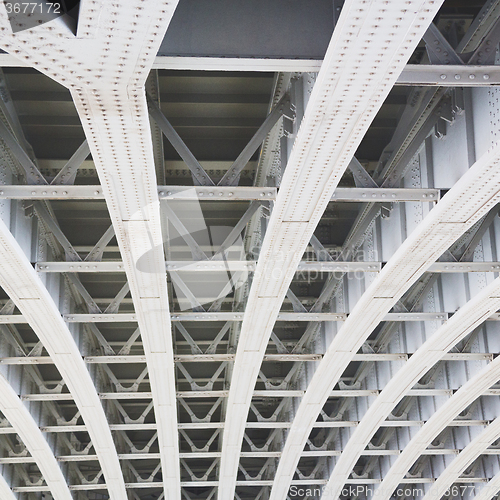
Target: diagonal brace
67	174
179	145
231	176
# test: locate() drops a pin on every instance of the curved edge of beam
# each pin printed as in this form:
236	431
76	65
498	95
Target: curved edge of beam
132	199
465	458
464	397
470	198
468	317
351	86
23	423
24	287
5	490
489	490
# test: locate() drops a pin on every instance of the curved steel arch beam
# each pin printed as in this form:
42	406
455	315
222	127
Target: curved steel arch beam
465	458
488	491
471	198
5	490
23	423
443	417
468	317
24	287
105	68
369	48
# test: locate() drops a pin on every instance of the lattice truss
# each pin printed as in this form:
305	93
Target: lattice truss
296	314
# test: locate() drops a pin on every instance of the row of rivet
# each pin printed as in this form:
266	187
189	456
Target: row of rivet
472	76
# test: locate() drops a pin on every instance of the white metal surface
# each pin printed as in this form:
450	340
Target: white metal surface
223	265
432	75
356	76
467	456
233	193
114	115
248	265
20	281
25	426
469	199
105	69
455	329
490	489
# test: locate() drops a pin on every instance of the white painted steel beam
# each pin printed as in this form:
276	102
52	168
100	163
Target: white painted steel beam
471	315
449	76
244	454
235	316
237	193
467	456
271	393
124	159
488	491
418	75
105	68
219	358
220	265
221	193
356	76
413	74
25	426
470	199
21	283
248	265
333	424
247	483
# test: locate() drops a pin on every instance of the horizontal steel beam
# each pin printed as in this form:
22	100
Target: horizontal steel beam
244	454
187	193
205	266
331	424
450	76
220	358
283	393
385	194
250	265
252	482
236	316
417	75
222	193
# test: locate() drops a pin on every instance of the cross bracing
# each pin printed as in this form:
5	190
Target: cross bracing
251	272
